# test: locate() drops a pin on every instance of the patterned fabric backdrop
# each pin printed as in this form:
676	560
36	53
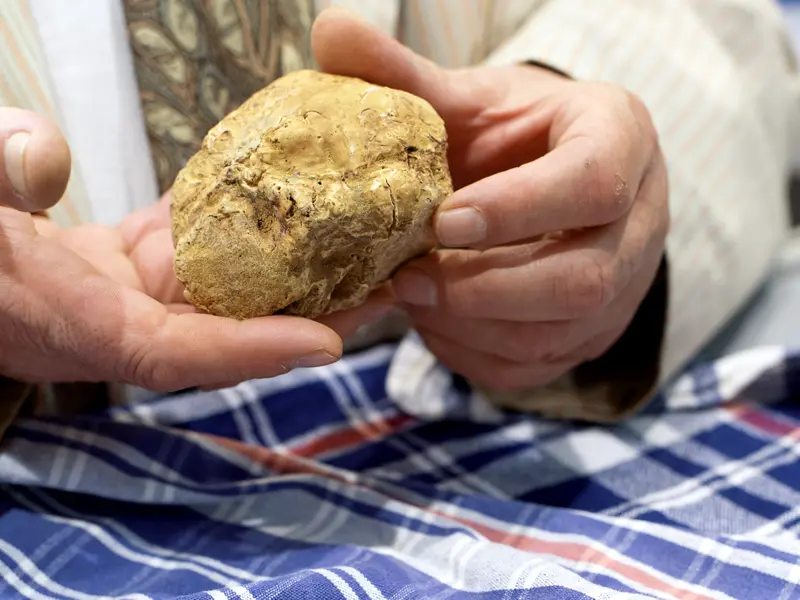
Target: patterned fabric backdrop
196	60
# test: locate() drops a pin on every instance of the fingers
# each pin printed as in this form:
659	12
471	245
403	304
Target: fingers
488	370
145	221
568	276
588	179
147	239
347	322
548	281
194	350
152	257
511	356
339	39
536	341
101	246
35	159
517	342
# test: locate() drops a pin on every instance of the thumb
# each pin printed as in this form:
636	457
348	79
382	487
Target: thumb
344	44
35	161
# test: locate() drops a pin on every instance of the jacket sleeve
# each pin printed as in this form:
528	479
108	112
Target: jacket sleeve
720	80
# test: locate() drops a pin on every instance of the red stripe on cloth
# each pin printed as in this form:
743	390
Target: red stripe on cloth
282	463
346	438
579	553
293	463
296	459
763	421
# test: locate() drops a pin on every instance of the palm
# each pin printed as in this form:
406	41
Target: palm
80	267
79	306
144	266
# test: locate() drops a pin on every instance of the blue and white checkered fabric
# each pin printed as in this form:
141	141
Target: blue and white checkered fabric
315	485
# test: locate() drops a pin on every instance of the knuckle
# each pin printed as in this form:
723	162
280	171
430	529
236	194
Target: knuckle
625	103
586	288
470	299
619	102
637	120
135	368
145	370
533	343
617	96
604	190
629	134
635	104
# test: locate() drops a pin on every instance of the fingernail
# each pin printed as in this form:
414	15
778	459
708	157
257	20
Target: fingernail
460	227
14	158
412	286
320	358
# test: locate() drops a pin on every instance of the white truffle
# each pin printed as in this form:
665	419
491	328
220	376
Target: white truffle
307	197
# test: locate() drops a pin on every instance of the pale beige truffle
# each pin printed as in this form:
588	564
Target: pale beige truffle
307	197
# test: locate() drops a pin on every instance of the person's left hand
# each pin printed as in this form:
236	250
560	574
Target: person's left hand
558	223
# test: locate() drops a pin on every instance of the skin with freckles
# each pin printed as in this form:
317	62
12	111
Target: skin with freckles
556	229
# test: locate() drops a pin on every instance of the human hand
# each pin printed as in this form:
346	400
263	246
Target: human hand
147	241
75	307
559	219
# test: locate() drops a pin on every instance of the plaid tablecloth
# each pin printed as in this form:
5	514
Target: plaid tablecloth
315	485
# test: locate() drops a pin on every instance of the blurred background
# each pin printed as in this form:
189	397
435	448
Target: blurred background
772	316
792	10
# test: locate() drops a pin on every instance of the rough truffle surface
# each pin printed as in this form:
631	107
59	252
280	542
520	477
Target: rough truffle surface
307	197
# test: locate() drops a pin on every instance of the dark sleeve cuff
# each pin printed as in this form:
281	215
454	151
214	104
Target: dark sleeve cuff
632	365
613	386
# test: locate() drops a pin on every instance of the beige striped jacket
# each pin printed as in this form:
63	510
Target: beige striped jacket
719	77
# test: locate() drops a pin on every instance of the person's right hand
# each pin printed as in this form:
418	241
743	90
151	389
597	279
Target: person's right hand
65	318
146	238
